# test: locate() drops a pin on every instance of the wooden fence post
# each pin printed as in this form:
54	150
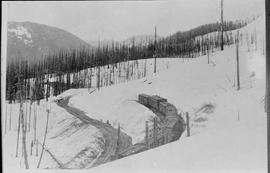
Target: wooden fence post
146	135
188	128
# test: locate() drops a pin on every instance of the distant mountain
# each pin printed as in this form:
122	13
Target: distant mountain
32	41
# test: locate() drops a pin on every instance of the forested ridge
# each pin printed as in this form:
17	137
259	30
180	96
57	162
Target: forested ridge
188	44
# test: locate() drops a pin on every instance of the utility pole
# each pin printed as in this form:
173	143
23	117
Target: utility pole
155	51
267	98
221	37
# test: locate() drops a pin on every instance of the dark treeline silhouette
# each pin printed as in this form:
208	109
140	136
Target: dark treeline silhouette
187	44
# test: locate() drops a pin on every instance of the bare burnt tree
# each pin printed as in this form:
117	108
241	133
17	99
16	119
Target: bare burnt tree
221	27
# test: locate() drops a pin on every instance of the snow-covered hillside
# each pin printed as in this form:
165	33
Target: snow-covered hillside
228	127
32	41
67	136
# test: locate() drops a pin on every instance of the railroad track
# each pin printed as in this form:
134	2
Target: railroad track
109	133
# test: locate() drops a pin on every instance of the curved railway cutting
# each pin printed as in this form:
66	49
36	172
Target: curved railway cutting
109	133
112	150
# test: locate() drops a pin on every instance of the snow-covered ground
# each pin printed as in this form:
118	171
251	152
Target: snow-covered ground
66	137
228	127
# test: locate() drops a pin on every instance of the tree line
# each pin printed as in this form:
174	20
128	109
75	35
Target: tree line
187	44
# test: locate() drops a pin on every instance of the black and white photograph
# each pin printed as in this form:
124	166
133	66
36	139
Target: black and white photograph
135	86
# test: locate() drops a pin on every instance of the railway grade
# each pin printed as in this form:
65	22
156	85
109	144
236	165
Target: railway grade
170	121
109	133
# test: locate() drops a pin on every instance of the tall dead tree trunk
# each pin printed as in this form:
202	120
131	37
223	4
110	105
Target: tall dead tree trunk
6	119
267	97
144	74
10	112
155	51
255	35
29	121
44	139
98	77
26	112
221	28
35	122
208	55
237	61
24	138
18	133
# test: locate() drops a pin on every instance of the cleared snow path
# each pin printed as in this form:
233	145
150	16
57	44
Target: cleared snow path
110	134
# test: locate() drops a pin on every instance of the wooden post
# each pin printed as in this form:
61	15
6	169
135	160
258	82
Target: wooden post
155	132
146	135
188	127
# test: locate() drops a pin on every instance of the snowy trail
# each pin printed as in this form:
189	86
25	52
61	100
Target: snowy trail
108	131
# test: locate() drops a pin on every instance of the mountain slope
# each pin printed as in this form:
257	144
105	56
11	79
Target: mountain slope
32	41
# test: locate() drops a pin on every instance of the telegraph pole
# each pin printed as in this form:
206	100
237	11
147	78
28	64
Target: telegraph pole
155	51
221	37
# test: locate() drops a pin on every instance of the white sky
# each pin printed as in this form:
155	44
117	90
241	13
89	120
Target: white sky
120	20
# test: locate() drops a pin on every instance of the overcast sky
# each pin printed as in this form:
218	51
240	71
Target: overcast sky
119	20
